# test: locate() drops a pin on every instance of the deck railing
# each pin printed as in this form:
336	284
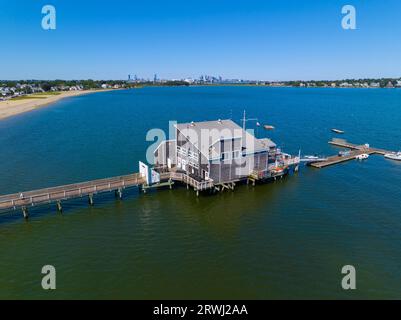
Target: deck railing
185	178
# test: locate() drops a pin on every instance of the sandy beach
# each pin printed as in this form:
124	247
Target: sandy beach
11	108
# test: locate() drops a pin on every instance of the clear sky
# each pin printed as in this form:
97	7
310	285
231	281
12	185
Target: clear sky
267	39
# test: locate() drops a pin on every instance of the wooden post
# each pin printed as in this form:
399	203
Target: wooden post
25	212
119	193
90	199
59	207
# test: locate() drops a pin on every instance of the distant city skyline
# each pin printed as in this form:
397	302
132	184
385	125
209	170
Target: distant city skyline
253	40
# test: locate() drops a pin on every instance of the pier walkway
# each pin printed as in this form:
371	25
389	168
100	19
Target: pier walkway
56	194
24	200
355	150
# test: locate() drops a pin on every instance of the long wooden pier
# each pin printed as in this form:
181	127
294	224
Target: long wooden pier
24	200
355	150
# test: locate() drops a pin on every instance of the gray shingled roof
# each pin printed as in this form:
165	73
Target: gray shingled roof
206	133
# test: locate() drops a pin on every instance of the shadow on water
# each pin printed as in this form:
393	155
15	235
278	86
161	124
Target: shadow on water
220	213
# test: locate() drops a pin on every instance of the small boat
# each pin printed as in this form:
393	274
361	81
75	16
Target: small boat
338	131
362	156
344	153
268	127
393	156
278	170
311	157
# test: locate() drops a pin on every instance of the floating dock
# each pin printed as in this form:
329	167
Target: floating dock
355	150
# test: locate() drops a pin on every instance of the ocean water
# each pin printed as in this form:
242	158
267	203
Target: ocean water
287	239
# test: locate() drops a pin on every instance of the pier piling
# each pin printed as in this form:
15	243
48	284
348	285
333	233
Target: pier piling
119	193
59	207
25	212
90	199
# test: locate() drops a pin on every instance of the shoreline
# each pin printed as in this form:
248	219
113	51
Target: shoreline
10	108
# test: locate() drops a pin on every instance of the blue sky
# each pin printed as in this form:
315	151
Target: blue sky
268	39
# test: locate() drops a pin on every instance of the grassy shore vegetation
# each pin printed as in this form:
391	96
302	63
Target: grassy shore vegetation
37	95
49	93
28	97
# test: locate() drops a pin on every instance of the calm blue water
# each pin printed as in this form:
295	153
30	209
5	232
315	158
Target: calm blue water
287	239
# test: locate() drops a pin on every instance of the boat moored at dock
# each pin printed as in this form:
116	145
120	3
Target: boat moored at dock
309	159
393	156
362	156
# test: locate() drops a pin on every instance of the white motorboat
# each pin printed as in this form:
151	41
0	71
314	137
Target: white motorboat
362	156
393	156
338	131
311	157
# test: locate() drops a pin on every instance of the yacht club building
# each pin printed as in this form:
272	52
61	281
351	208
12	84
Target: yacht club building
220	151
